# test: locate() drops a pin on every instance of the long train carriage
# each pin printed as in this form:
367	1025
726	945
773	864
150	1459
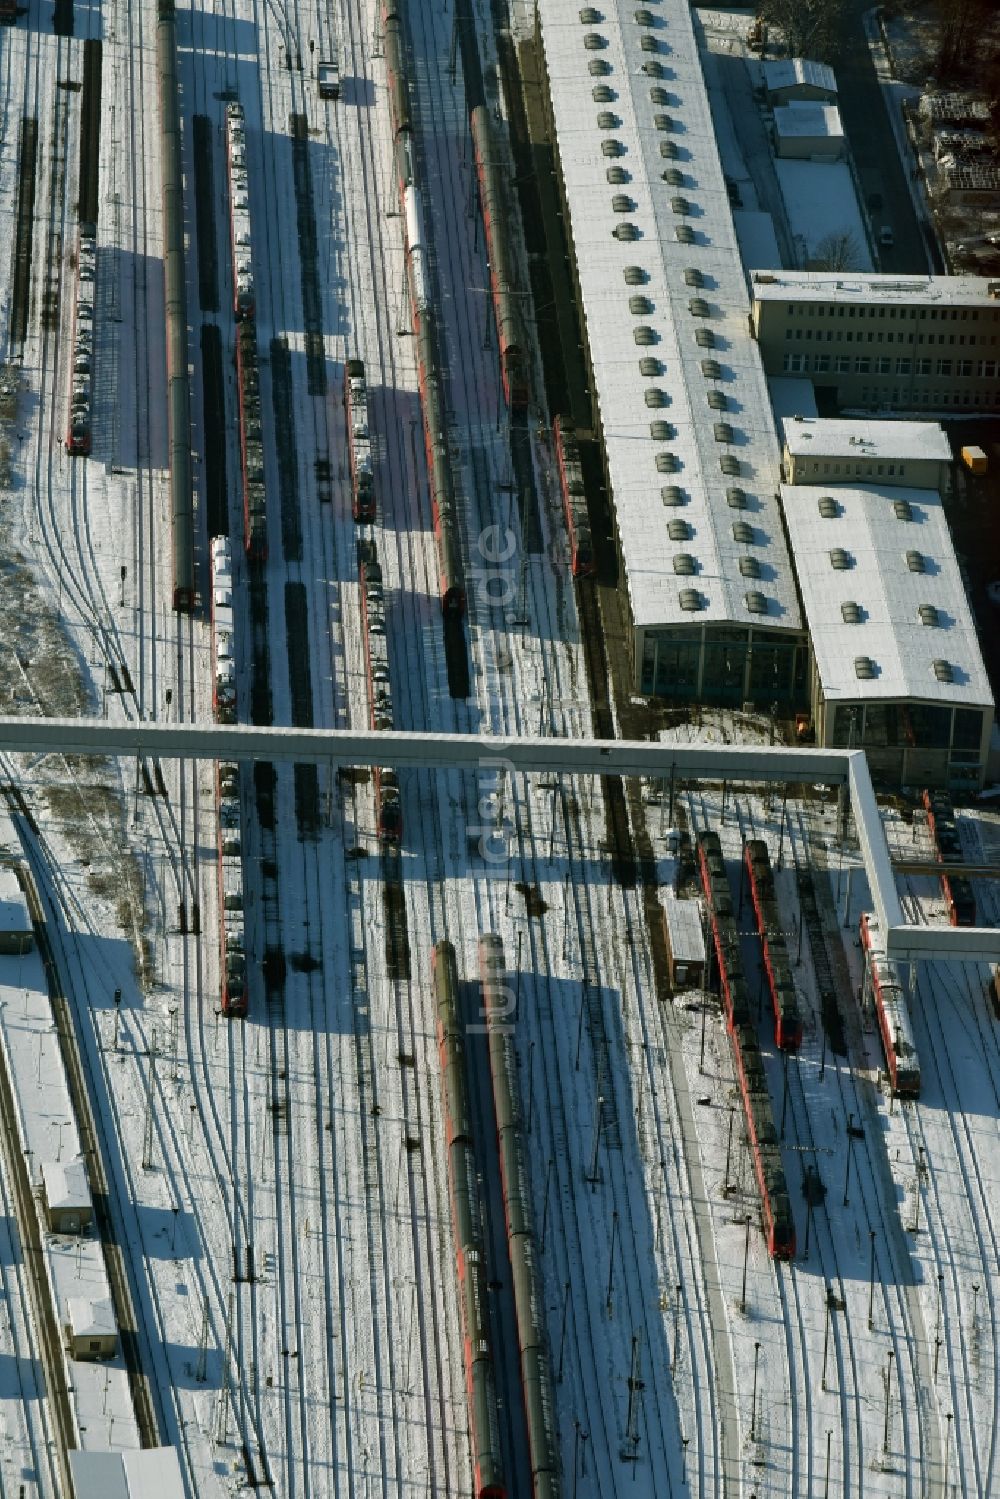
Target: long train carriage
388	806
251	443
957	890
359	447
889	999
784	1000
79	433
529	1301
223	658
466	1227
574	500
244	294
8	12
506	295
993	988
232	949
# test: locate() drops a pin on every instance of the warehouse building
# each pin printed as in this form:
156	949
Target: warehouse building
881	342
807	132
835	450
896	666
798	78
678	393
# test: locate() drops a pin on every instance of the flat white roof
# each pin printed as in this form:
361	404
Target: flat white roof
153	1473
66	1184
13	906
91	1317
855	286
687	938
808	117
848	437
787	72
821	205
878	578
641	126
792	395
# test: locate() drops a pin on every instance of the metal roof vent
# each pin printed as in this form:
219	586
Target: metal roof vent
723	432
850	612
595	42
743	533
943	670
612	148
590	16
608	120
684	234
729	464
664	122
669	150
626	232
698	307
650	366
635	275
654	70
622	203
603	94
649	44
638	304
928	615
749	567
829	508
916	562
667	463
685	564
680	204
718	400
673	495
656	397
840	560
678	530
693	277
617	175
705	339
903	509
673	177
662	431
711	369
599	67
660	95
864	668
644	334
755	602
736	498
644	18
690	600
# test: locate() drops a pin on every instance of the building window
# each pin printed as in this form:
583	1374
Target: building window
794	364
987	369
821	363
883	365
842	364
964	367
862	364
944	367
902	366
923	366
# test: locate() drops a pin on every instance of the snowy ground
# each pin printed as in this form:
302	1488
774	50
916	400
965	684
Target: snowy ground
310	1138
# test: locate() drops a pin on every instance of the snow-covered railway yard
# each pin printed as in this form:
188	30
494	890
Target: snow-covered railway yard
280	1184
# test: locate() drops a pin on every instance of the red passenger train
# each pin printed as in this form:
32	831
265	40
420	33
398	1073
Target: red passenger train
883	985
493	187
957	890
781	985
574	500
776	1208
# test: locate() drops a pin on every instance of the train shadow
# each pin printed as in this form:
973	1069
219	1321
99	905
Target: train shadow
203	32
129	416
357	93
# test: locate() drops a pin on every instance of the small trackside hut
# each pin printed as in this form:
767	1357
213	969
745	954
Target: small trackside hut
685	939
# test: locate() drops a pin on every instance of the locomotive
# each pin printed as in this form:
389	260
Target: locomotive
466	1217
223	660
359	448
776	1207
451	572
232	951
957	890
244	299
784	1000
78	428
882	983
529	1301
574	500
496	224
388	806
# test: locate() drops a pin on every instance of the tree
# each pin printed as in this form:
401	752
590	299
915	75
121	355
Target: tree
836	252
961	28
811	28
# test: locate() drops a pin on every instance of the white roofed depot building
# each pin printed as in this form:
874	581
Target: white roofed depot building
896	666
833	450
679	400
789	78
